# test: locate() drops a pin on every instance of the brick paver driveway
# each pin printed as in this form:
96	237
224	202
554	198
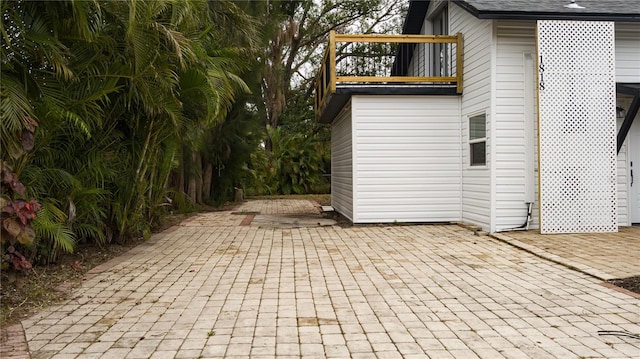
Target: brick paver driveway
218	286
603	255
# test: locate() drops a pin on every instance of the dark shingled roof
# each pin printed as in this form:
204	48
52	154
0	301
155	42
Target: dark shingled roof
604	10
599	10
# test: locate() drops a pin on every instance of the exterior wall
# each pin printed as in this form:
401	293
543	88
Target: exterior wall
628	52
625	199
391	166
421	64
633	186
342	163
622	178
476	98
515	41
627	70
419	60
407	158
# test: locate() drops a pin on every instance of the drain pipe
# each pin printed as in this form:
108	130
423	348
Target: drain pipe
525	225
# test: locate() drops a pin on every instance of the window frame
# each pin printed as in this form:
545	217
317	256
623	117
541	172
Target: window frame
477	140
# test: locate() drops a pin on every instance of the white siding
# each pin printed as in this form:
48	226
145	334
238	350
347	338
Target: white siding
476	98
633	156
421	62
342	163
514	40
628	52
627	70
407	158
623	189
624	179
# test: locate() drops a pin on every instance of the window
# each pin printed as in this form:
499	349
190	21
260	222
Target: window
478	140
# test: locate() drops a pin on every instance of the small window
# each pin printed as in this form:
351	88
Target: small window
478	140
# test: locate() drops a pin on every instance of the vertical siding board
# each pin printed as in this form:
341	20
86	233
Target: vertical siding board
342	163
407	158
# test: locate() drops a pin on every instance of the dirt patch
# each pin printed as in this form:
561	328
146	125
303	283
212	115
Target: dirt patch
631	284
24	294
344	222
341	220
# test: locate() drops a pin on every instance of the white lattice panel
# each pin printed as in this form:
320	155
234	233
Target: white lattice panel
577	102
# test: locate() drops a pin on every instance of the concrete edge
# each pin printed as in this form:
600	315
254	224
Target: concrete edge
579	267
620	289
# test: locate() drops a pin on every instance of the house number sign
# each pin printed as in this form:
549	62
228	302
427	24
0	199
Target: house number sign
541	71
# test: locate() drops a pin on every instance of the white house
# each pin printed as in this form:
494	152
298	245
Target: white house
515	114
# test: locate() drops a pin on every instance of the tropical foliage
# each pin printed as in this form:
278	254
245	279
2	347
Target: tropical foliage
115	112
16	215
295	165
295	34
104	103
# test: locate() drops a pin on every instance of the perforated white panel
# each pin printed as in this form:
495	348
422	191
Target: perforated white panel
576	83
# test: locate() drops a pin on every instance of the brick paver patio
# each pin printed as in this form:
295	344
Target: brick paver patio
605	256
221	286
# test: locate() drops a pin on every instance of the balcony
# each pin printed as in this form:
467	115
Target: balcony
385	65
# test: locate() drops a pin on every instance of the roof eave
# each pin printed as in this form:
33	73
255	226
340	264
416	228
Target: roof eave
415	17
521	15
555	16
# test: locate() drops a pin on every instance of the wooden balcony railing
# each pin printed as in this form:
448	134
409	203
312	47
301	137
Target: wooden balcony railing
399	60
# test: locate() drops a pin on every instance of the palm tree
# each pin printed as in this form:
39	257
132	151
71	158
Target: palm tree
37	91
117	95
210	89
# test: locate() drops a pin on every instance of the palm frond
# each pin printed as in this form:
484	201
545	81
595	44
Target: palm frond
50	225
15	112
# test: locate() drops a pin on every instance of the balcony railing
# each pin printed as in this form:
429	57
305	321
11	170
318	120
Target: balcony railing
380	60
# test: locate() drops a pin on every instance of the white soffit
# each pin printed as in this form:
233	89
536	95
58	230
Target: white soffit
577	126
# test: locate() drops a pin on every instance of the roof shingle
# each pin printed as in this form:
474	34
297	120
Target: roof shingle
620	10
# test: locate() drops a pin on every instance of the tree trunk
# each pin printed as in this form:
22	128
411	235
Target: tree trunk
191	189
192	185
268	144
197	163
207	179
181	180
181	185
